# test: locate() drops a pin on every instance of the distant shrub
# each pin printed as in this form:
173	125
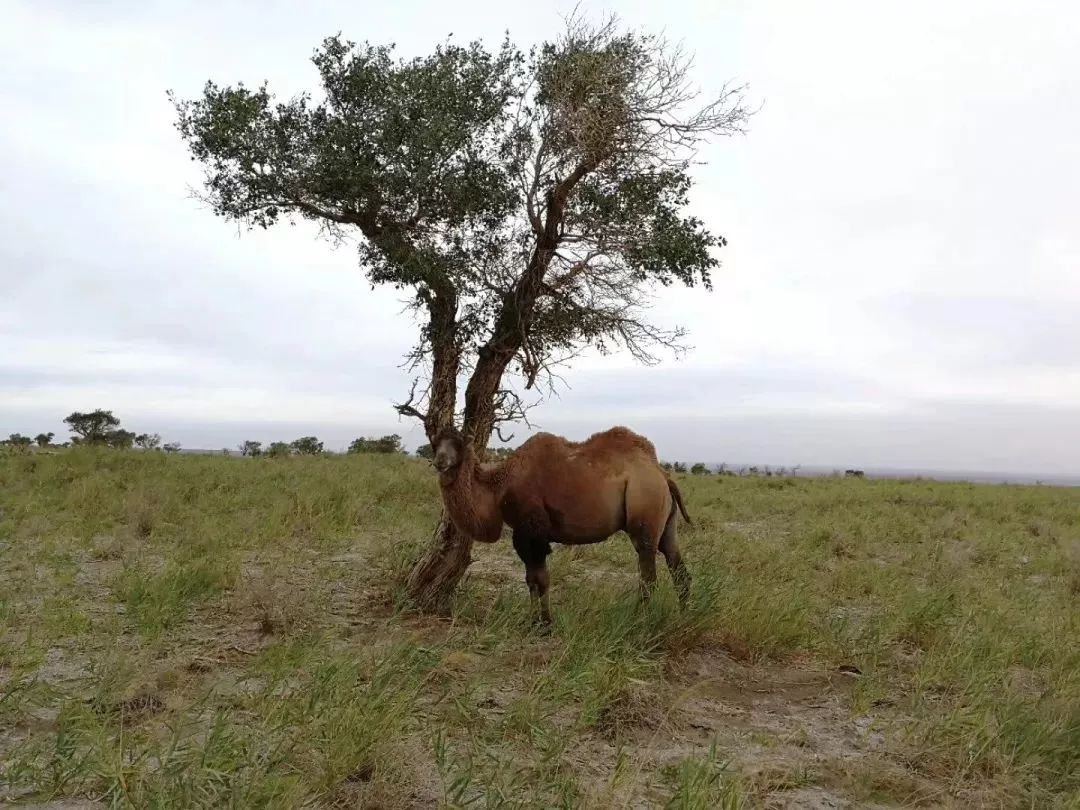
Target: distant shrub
425	451
307	446
384	444
498	453
171	447
148	441
18	441
699	469
250	448
278	449
93	427
44	439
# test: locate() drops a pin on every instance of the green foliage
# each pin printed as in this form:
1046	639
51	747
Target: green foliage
390	146
384	444
251	448
148	441
425	451
44	439
307	446
279	449
462	167
699	469
17	440
102	428
95	427
171	447
120	439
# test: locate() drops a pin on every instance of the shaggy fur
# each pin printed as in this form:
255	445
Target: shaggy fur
552	490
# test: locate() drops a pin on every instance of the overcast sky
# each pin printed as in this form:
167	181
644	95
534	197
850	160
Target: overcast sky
901	287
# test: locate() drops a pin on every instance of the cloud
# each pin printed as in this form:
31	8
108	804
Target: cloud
899	287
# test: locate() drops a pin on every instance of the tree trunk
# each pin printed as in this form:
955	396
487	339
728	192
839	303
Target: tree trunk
434	577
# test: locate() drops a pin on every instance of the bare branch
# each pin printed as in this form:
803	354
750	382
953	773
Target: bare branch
407	408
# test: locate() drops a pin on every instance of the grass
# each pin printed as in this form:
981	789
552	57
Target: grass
182	631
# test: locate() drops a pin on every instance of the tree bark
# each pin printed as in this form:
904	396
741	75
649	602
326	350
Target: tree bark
434	577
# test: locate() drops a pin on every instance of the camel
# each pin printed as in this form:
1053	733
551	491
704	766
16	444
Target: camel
552	490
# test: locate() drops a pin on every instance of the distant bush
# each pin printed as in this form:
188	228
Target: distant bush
385	444
171	447
120	439
99	427
425	451
307	446
94	427
699	469
250	448
44	439
278	449
18	441
148	441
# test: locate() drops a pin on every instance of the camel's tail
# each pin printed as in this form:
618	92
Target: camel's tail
678	500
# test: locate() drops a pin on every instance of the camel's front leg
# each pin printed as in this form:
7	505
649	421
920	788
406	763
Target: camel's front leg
534	554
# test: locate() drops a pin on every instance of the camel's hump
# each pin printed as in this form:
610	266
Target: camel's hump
621	438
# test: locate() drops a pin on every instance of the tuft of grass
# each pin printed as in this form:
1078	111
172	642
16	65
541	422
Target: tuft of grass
157	601
703	783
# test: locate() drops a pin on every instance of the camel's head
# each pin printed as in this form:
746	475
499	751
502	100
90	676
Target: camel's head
449	449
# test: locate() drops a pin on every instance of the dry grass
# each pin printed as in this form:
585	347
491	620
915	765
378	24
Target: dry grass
206	631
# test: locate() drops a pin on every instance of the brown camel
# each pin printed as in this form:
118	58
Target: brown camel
551	490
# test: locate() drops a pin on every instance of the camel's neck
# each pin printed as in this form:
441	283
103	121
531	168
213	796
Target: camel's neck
473	501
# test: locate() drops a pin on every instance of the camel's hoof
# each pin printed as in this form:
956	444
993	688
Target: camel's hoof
542	625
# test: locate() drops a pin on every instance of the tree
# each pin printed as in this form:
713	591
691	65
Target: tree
279	449
307	446
251	448
384	444
425	451
120	439
44	439
529	204
699	469
678	467
171	447
19	441
148	441
93	427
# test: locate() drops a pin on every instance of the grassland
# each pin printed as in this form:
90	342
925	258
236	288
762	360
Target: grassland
205	631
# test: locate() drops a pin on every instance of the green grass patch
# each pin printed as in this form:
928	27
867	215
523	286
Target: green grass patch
206	631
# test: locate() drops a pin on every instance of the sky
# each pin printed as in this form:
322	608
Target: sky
901	286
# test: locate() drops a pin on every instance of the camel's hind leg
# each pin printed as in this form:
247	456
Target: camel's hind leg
669	547
646	551
645	538
645	512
